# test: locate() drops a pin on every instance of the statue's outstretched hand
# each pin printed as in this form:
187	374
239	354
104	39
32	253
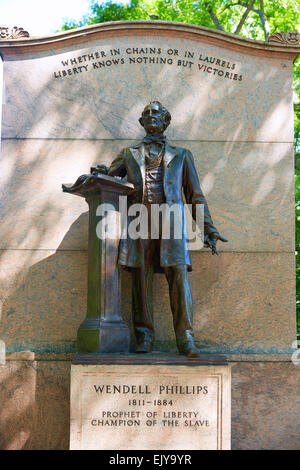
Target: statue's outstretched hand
211	242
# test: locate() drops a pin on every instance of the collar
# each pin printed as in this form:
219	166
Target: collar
157	139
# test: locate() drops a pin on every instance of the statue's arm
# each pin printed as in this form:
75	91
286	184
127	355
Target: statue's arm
194	195
118	167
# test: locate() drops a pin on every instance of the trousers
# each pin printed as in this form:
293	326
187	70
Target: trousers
142	296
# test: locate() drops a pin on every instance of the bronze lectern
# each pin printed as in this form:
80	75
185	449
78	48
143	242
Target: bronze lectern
103	330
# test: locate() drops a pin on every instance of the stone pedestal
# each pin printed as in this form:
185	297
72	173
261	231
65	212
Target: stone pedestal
103	329
172	404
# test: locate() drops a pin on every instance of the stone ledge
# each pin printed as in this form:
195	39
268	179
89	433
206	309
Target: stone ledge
138	27
53	357
149	359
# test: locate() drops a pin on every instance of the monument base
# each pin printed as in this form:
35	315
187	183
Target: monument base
165	405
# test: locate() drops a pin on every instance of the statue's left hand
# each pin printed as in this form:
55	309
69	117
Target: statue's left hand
211	242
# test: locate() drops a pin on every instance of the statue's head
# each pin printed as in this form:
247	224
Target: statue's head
155	118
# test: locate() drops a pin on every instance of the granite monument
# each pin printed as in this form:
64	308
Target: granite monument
72	100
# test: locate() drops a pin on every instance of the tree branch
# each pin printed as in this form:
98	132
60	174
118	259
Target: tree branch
239	4
263	19
260	12
245	5
231	5
215	20
243	19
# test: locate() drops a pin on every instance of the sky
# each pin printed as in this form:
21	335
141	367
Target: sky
40	17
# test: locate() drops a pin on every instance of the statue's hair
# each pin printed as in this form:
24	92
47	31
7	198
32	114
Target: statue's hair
166	114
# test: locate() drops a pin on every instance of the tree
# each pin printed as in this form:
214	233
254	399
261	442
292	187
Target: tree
255	19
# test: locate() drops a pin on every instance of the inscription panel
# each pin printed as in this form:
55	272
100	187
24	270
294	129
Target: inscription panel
95	91
104	59
150	407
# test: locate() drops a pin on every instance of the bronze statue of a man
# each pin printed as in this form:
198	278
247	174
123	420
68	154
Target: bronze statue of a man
161	174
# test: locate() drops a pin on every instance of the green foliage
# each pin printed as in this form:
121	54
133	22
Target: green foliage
282	15
109	11
279	15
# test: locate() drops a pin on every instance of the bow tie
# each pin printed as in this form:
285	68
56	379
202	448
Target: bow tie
155	139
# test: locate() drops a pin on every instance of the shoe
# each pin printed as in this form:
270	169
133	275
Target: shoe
145	347
189	349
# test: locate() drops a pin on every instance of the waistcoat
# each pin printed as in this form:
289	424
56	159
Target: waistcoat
154	174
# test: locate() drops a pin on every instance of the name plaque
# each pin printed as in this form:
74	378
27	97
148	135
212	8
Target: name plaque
125	407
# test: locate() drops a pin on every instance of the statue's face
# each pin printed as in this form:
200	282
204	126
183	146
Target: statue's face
153	119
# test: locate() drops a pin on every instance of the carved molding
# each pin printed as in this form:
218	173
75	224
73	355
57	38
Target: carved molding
154	28
12	33
290	38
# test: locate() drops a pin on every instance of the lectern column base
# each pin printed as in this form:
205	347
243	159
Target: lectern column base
98	336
